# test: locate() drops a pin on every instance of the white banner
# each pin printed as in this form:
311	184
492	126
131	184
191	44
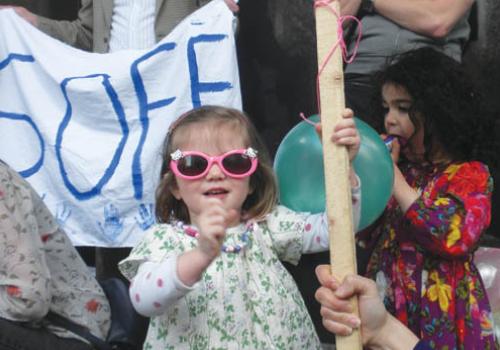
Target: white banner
86	129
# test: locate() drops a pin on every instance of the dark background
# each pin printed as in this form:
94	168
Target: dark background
57	9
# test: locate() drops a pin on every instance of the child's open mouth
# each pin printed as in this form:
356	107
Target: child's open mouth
216	192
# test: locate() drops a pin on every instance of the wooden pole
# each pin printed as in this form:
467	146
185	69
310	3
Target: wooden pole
336	160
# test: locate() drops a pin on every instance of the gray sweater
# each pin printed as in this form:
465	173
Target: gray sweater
382	38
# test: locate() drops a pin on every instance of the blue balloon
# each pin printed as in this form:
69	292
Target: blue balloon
299	167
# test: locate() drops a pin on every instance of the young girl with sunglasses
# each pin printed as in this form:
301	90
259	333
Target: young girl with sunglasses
209	275
424	243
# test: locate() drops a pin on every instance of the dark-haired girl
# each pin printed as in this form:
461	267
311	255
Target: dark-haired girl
423	245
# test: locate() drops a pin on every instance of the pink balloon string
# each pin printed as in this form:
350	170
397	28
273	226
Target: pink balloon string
340	43
307	120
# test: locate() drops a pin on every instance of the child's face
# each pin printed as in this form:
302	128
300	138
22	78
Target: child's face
195	193
397	102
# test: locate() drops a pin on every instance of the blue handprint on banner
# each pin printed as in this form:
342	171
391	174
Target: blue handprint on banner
63	212
146	218
113	224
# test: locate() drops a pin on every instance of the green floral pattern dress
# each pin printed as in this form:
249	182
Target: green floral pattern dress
243	301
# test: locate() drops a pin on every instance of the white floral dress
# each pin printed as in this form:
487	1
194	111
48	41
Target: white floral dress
40	270
243	301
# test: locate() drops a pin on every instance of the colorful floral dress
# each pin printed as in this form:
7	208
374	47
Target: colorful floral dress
40	270
243	301
423	259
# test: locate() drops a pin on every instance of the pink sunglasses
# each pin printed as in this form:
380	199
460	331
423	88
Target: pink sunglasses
191	165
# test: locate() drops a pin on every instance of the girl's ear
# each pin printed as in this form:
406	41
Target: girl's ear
174	189
175	192
251	188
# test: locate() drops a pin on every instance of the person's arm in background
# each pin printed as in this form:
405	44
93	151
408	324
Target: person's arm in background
434	18
233	5
349	7
379	330
77	33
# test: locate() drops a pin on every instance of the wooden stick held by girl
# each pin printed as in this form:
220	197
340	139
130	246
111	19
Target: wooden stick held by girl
423	245
209	275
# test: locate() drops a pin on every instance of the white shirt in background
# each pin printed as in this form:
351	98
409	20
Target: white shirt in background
132	25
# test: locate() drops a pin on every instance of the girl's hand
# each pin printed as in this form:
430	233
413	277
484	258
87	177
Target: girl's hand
402	191
22	12
345	133
212	224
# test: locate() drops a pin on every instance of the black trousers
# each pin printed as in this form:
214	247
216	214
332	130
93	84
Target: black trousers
17	336
359	93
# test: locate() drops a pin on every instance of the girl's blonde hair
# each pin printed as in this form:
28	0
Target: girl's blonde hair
264	190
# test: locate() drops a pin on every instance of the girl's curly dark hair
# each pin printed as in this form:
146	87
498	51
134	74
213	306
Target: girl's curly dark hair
448	105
